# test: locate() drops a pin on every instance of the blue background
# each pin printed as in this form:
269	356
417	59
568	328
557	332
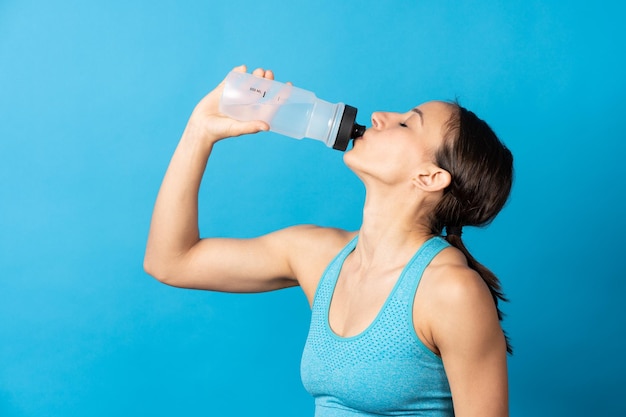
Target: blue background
94	96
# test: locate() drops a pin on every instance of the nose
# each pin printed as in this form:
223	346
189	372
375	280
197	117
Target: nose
377	119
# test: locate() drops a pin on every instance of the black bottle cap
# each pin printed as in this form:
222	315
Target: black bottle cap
348	129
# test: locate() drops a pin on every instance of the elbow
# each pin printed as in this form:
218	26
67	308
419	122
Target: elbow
165	266
156	269
149	267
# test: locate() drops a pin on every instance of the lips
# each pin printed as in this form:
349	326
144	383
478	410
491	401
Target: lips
360	137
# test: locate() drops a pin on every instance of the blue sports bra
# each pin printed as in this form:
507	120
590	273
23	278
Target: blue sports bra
383	371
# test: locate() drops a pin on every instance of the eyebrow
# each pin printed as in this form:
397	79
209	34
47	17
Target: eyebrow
419	112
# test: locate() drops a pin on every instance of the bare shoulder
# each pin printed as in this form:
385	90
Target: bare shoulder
457	304
309	233
313	240
453	281
311	248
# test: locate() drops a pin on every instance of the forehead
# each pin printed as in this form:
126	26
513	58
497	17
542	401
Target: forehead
436	113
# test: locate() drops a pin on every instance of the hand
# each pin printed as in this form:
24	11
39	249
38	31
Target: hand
207	119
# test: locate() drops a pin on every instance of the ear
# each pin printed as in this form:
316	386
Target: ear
432	178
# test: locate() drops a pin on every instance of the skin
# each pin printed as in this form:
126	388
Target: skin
454	314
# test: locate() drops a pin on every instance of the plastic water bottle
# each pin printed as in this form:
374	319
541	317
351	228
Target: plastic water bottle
289	110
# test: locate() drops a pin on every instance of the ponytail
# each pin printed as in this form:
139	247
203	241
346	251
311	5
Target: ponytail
481	170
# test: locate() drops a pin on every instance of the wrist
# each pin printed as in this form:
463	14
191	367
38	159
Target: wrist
198	135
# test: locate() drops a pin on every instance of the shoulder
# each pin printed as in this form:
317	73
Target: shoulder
314	232
460	308
453	281
310	249
312	240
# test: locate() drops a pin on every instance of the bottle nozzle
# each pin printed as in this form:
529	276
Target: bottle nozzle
357	131
348	129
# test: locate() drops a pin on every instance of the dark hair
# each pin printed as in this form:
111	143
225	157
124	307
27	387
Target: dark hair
481	168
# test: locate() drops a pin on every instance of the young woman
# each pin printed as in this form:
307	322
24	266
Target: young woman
379	343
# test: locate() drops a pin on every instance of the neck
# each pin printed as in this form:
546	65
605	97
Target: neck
393	227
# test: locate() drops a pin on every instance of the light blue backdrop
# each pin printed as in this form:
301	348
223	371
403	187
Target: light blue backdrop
93	98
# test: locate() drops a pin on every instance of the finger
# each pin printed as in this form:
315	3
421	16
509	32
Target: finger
240	68
245	128
269	74
259	72
260	126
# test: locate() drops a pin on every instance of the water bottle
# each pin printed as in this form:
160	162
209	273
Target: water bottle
289	110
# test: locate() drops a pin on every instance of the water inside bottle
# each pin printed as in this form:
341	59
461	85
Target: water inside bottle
289	119
292	119
256	111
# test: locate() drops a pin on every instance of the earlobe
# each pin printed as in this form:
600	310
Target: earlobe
432	179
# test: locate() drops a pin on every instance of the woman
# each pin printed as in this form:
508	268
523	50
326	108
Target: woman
378	343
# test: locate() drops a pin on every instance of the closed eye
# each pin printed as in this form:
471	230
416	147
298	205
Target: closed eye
403	125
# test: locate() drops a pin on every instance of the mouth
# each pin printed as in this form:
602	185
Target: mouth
357	131
362	136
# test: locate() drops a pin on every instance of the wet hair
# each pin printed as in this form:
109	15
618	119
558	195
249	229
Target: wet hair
481	170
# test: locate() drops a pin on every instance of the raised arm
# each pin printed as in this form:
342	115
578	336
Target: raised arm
177	256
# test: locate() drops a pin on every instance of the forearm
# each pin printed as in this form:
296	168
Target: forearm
174	225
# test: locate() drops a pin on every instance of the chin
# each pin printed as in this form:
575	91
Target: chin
348	157
353	160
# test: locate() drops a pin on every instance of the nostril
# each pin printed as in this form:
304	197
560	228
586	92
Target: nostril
374	121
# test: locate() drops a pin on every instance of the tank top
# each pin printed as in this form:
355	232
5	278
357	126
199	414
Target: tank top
383	371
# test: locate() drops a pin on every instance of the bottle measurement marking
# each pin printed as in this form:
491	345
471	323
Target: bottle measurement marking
256	90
